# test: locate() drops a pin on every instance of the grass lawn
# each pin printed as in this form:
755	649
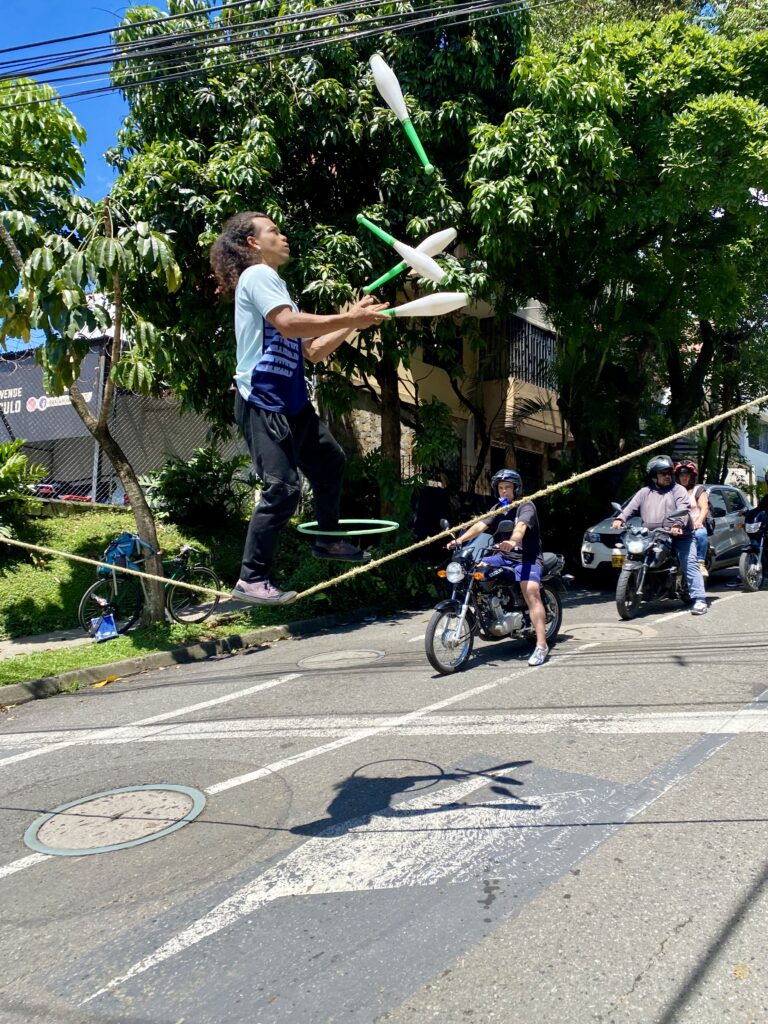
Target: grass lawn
41	593
23	667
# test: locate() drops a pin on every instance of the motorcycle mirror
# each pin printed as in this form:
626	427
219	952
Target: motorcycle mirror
444	524
505	526
616	506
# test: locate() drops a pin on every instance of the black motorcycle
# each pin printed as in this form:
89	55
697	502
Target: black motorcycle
752	564
486	602
649	567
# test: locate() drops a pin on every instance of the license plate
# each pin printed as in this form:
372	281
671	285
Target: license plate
617	560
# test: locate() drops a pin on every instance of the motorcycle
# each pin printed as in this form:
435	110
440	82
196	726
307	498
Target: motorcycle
485	602
752	564
649	567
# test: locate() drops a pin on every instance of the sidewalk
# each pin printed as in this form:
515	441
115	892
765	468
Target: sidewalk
66	638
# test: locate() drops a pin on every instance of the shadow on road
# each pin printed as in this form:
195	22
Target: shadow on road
360	797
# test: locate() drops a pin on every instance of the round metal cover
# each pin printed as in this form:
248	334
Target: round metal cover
114	820
340	659
602	631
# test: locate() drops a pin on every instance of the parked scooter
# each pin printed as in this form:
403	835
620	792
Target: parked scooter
752	564
485	602
649	567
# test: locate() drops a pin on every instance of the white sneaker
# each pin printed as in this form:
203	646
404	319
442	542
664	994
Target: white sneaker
699	608
539	656
704	570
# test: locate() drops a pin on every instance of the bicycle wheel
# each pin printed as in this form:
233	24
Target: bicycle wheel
188	605
123	599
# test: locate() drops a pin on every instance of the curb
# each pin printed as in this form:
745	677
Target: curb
49	686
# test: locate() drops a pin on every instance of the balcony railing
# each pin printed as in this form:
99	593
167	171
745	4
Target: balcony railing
519	349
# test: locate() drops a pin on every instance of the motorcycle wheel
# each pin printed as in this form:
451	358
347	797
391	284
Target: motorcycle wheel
751	570
627	595
554	608
446	653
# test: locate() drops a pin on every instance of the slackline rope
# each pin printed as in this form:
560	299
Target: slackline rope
357	570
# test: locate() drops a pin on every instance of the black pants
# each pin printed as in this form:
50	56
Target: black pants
279	446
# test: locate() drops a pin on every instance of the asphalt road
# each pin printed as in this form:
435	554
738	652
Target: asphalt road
581	842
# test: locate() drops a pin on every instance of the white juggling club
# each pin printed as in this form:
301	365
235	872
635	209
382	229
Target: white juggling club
421	263
430	305
432	245
389	87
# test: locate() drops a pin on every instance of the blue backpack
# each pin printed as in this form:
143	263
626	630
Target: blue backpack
127	551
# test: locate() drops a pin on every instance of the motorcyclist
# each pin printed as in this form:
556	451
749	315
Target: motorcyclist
665	505
519	552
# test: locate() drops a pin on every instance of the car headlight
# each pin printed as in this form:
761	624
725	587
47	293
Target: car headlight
454	572
635	546
592	538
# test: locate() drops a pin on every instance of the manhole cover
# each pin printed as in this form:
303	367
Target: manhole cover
114	820
615	631
340	659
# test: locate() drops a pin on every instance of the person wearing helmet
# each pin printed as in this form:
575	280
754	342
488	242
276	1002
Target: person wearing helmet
519	552
686	474
665	505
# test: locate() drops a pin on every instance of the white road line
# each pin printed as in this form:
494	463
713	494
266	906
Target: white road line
315	751
384	851
733	721
24	862
372	852
91	735
415	639
389	726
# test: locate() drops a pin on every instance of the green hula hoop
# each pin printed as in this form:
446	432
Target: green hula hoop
379	526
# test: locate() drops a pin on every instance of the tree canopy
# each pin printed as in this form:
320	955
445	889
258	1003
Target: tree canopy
625	188
306	138
64	262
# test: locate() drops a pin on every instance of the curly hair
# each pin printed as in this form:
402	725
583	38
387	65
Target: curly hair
230	254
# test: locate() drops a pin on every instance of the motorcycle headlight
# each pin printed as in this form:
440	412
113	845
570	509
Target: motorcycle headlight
454	572
635	546
592	538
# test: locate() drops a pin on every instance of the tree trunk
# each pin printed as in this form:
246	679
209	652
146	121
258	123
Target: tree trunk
142	514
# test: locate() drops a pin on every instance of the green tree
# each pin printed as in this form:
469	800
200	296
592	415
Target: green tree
64	263
306	138
623	190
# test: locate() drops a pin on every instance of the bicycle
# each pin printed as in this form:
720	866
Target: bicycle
124	596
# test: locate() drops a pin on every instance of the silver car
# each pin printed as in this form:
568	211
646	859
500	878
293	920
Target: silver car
729	506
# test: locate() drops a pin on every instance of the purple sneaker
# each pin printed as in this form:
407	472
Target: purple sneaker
341	550
262	592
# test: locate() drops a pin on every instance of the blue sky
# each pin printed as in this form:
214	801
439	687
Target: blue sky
31	21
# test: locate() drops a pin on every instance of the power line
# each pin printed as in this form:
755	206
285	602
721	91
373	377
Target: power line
158	43
440	12
157	46
473	13
147	22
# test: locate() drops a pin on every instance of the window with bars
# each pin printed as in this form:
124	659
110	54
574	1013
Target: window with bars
517	348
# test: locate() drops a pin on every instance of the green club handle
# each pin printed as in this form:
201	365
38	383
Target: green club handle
379	232
410	131
385	277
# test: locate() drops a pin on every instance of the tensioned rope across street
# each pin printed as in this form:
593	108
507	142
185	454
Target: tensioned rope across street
358	569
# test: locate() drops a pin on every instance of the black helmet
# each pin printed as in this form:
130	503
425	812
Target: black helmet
658	464
510	475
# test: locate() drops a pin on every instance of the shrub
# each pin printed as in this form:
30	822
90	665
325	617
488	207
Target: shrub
206	490
17	475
